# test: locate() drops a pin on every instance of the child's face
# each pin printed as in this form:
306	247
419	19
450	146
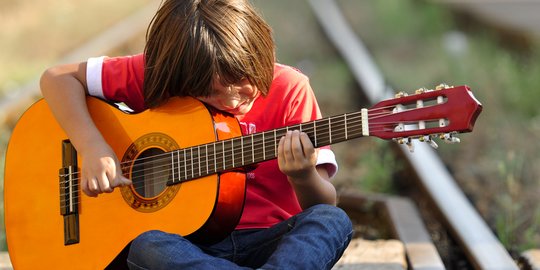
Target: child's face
236	98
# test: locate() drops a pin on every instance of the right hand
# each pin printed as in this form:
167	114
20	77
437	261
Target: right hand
101	171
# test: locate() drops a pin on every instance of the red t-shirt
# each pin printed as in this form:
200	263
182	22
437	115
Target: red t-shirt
269	196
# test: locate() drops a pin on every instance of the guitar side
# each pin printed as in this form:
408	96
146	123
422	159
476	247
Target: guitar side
35	228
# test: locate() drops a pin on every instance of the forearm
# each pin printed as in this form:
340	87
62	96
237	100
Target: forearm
63	88
314	189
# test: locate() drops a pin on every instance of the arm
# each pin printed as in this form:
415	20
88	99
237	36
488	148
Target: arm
64	89
297	159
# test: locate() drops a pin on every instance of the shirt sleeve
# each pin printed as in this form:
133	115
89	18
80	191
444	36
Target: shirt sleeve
303	107
117	79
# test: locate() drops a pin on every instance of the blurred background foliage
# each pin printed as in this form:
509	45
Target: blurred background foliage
497	164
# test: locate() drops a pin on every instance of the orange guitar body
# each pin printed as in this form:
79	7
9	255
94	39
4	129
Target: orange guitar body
206	208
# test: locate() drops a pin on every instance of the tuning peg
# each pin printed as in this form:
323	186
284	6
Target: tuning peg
442	86
420	90
450	138
428	139
410	145
406	141
401	94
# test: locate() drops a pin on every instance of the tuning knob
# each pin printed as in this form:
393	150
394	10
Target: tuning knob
450	138
401	94
442	86
407	141
429	139
410	145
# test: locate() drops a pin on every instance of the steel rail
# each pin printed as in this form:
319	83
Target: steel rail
483	249
404	220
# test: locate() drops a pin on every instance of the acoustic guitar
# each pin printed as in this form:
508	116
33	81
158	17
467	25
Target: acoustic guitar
185	161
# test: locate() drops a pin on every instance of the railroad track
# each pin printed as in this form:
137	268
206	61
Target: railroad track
481	249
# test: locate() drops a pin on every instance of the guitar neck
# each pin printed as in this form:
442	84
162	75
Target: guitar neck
197	161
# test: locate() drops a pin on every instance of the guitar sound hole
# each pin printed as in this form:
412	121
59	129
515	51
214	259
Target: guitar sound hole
150	173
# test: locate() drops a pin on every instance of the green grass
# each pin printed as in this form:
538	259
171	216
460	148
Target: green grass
380	164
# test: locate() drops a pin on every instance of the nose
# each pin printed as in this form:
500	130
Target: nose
229	103
245	89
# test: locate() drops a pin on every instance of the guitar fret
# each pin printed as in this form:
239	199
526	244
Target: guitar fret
172	166
346	133
215	158
176	168
223	152
232	152
275	143
344	127
327	130
330	129
199	158
185	165
264	146
242	149
315	133
191	161
206	155
178	165
252	149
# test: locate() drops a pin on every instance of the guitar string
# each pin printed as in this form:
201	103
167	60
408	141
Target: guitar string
256	145
168	171
156	183
157	170
167	154
76	196
284	128
257	142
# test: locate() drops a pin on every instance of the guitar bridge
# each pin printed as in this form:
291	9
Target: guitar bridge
69	195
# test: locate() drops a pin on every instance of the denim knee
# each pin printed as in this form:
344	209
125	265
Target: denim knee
142	241
333	215
143	252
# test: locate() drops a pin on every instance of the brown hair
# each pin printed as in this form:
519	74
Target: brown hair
190	41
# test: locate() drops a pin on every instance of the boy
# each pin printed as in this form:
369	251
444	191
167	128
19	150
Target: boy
222	53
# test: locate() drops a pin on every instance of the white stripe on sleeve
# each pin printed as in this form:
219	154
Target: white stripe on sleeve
94	66
327	158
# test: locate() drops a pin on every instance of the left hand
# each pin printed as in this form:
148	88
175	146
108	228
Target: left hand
296	155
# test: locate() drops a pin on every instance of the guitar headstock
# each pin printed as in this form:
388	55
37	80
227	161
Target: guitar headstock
441	112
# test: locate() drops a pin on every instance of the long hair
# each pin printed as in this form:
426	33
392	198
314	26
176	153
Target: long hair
189	42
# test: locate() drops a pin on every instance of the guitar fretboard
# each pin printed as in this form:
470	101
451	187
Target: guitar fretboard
202	160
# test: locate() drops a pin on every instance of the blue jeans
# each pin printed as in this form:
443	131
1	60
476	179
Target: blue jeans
313	239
